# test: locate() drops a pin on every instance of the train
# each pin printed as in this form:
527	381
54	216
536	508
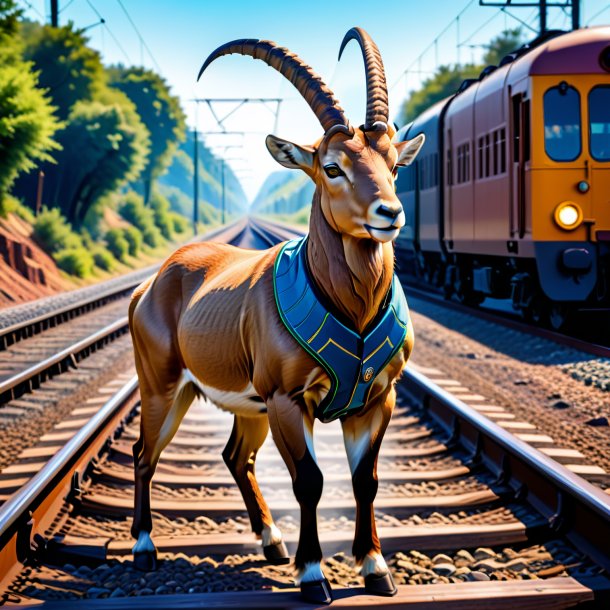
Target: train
510	196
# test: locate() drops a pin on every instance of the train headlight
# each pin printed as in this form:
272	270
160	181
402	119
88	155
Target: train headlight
568	215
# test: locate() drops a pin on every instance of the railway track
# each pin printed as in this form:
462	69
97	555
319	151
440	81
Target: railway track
468	512
513	321
47	344
52	356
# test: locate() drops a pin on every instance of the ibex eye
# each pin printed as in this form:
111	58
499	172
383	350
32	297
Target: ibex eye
333	170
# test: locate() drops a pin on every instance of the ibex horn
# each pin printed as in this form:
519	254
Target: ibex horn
316	93
377	110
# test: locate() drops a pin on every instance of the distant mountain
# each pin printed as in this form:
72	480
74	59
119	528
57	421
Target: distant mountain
284	192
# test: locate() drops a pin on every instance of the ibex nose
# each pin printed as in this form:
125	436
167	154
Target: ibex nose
389	212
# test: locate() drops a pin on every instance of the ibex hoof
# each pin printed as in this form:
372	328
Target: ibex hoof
276	554
380	585
317	592
145	561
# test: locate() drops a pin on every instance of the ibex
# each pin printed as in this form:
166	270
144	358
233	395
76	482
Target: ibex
316	328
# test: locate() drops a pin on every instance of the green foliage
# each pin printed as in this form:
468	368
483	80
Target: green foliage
104	146
134	211
134	238
447	79
10	46
75	261
54	233
12	205
445	82
179	223
117	244
160	207
69	69
102	258
501	45
27	123
161	113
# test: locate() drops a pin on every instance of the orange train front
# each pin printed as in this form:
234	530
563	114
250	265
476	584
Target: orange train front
511	197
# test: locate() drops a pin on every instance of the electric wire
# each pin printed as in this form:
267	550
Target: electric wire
137	31
116	40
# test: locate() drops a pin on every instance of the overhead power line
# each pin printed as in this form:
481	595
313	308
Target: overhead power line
142	41
116	40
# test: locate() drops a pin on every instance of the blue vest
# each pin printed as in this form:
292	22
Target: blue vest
351	361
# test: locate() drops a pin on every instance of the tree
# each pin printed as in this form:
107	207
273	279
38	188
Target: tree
69	69
501	45
105	146
445	82
160	112
27	123
447	79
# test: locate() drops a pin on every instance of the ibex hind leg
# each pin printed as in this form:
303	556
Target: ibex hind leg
160	418
248	434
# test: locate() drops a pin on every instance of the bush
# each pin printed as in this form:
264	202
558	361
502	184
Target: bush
133	210
75	261
161	210
54	233
117	244
134	238
179	222
102	258
12	205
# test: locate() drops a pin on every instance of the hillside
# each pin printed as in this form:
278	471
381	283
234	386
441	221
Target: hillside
285	193
177	183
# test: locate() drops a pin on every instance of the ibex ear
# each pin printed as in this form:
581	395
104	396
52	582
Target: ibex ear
407	151
290	155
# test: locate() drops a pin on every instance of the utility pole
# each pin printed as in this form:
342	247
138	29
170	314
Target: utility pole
542	6
223	213
195	182
542	16
55	13
575	14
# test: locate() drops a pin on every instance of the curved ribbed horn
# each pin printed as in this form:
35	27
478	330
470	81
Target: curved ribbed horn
377	110
316	93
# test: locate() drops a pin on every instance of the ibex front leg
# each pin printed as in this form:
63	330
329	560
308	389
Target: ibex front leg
292	428
362	436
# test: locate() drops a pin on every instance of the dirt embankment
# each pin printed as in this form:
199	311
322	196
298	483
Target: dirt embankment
26	271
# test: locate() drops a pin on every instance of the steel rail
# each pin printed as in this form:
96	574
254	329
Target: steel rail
573	506
25	329
513	323
26	380
9	335
27	513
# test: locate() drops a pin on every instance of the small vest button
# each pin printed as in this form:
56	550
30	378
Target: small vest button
368	374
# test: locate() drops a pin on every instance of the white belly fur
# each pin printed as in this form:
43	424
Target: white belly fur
239	403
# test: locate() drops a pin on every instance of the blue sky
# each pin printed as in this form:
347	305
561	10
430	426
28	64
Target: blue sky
181	33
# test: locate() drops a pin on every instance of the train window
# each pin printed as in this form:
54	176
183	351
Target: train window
467	162
480	157
487	164
495	153
502	144
562	123
449	168
599	123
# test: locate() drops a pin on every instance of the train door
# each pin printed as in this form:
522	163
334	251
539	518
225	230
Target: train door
520	111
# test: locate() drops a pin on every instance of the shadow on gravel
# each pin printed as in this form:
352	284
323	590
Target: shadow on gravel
512	343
